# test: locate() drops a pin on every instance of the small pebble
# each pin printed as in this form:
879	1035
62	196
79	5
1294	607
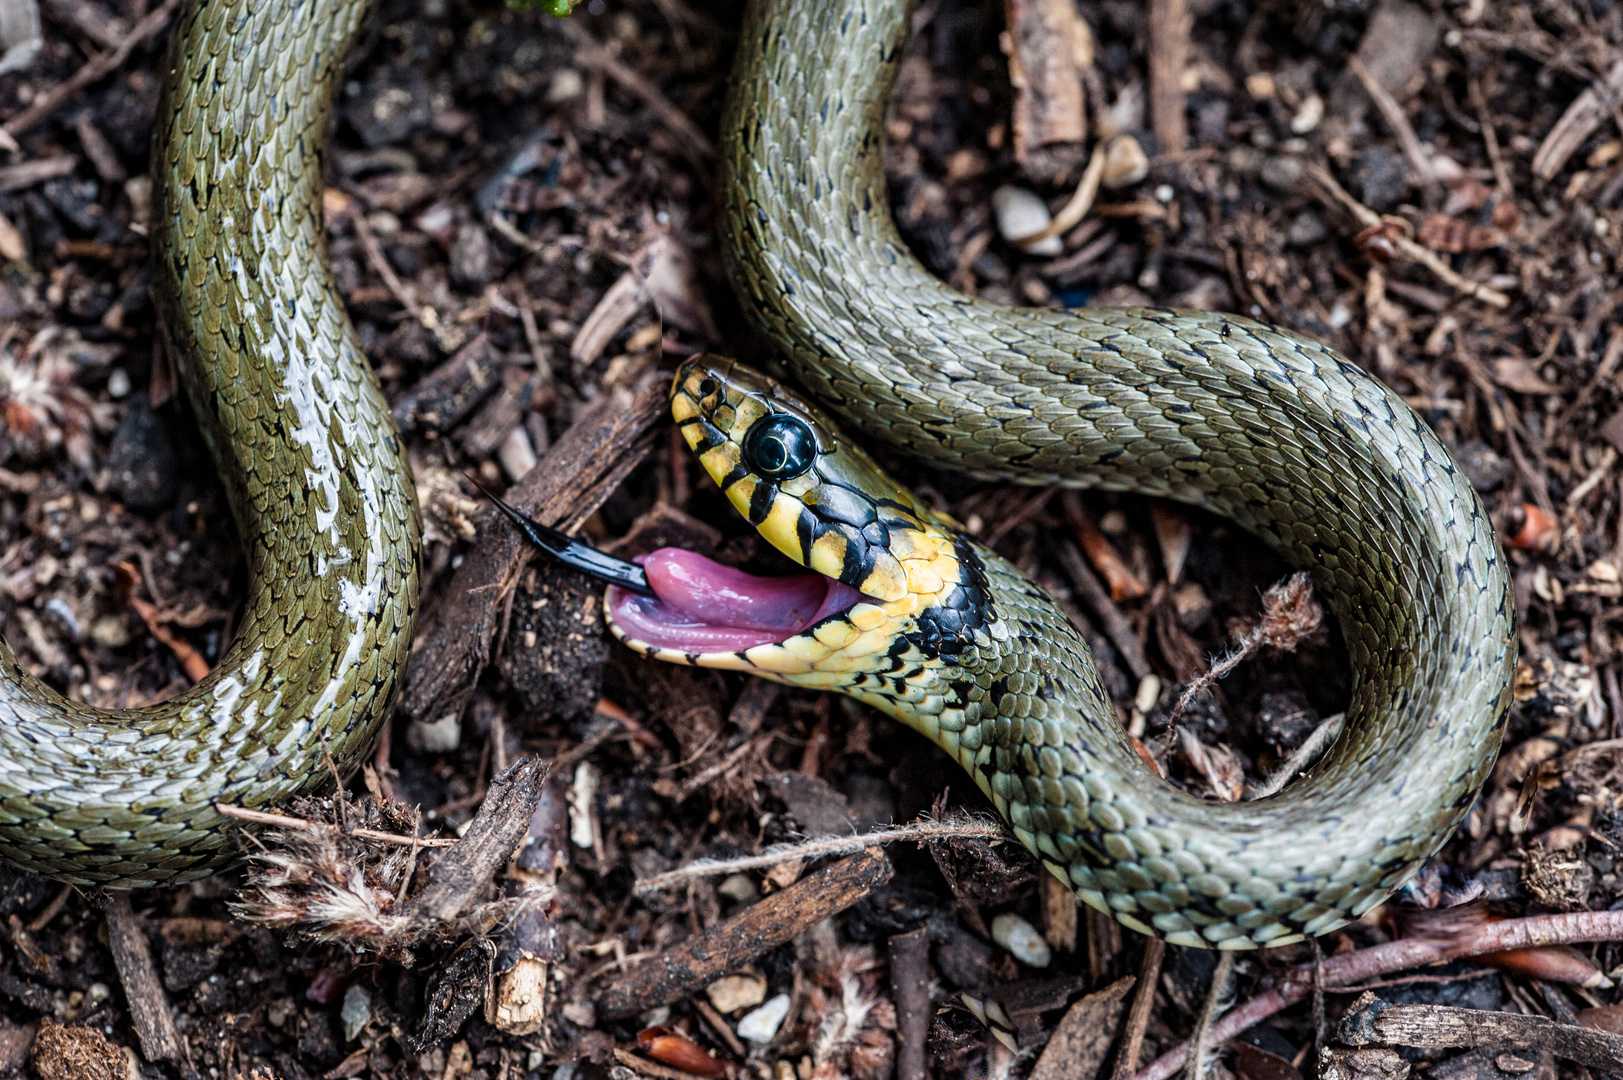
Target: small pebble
516	454
111	631
1308	115
1126	163
118	381
1021	213
762	1025
435	736
739	888
1022	940
733	992
356	1013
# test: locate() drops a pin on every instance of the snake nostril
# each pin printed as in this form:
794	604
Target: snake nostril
708	386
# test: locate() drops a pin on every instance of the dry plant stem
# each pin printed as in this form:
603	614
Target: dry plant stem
831	845
1407	248
1289	614
1081	202
1303	756
1392	113
1394	956
1149	977
380	266
719	1025
1200	1056
283	821
1169	54
1114	623
643	1067
99	65
149	1009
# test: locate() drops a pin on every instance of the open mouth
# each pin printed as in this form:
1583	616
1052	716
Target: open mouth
700	606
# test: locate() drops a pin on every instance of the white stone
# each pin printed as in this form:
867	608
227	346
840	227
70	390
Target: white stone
761	1026
1022	213
1022	940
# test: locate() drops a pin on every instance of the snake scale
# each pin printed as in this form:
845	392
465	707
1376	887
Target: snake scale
1263	426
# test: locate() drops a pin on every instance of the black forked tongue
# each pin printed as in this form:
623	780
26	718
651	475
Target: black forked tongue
572	553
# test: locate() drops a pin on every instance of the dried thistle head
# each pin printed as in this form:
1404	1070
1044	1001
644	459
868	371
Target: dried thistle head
327	885
42	408
852	1018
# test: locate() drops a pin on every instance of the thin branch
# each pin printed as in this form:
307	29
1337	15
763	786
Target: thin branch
828	845
1403	245
283	821
1217	998
1303	756
99	65
1397	956
1149	977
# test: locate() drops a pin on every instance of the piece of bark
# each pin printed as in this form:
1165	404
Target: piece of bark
460	876
77	1053
1149	975
1370	1063
1050	111
1170	24
609	438
149	1009
1080	1042
449	393
729	945
29	173
554	650
1588	111
1372	1021
910	984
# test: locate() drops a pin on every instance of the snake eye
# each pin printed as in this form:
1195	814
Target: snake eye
780	447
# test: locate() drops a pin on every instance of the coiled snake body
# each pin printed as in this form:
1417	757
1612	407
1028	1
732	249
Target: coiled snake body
1282	435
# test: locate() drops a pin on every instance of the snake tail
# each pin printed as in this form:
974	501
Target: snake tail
302	437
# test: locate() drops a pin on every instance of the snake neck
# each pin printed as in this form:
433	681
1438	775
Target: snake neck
1290	440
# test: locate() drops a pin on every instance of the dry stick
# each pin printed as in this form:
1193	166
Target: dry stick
149	1009
723	1030
1199	1061
678	970
1114	623
1397	956
283	821
1404	246
99	65
1149	975
910	984
1490	138
1392	113
920	831
1300	758
1169	53
1072	213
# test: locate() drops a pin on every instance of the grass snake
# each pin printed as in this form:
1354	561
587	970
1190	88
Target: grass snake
1263	426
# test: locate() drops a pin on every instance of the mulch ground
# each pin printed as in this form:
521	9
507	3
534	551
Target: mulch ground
520	217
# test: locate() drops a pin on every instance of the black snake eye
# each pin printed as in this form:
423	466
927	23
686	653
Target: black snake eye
780	447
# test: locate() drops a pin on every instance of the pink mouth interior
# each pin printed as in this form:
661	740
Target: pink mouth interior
704	607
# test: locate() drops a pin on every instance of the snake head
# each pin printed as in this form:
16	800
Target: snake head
878	555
